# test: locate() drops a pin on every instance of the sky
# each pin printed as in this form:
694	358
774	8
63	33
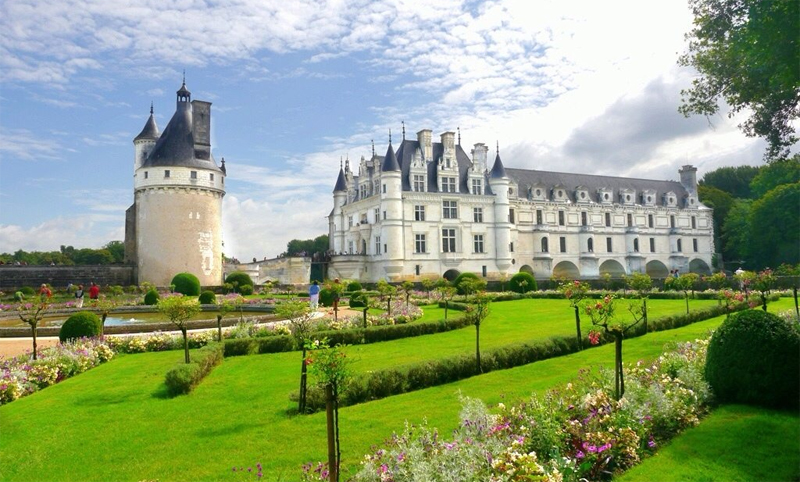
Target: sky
562	85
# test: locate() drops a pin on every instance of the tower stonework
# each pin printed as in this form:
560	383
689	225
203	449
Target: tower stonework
175	223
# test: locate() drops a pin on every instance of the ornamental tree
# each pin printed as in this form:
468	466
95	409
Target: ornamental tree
477	311
602	315
575	292
764	283
180	309
229	304
408	288
641	283
446	292
31	314
301	324
387	291
686	283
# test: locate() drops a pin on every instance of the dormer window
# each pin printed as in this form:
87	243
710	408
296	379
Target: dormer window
477	187
604	195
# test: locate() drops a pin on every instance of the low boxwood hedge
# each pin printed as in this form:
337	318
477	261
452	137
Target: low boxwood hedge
184	376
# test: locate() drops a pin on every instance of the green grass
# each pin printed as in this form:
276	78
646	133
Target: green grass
735	443
116	423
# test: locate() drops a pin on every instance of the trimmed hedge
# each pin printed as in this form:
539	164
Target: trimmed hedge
325	297
185	376
515	283
83	324
151	298
462	277
241	278
754	358
207	298
358	300
353	286
186	284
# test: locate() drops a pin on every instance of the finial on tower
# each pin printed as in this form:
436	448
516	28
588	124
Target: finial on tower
459	135
497	148
151	107
373	147
340	162
404	129
390	137
184	77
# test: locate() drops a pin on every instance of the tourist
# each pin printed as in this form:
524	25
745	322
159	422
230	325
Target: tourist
313	294
336	295
45	293
94	292
79	297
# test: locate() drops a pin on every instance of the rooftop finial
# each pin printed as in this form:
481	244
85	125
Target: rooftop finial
459	135
404	129
390	137
373	147
497	148
151	107
184	77
340	162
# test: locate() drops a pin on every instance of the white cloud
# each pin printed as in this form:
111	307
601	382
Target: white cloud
22	144
79	231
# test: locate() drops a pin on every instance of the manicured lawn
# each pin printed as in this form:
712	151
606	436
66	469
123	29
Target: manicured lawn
115	423
735	443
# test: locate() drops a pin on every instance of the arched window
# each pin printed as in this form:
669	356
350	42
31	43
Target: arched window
590	245
545	248
636	245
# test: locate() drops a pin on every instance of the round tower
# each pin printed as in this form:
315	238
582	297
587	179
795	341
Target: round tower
178	191
392	205
144	143
336	221
499	182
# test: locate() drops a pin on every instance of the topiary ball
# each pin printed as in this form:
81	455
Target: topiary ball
462	277
516	284
325	297
358	300
239	279
207	298
151	297
353	286
186	284
27	291
754	358
81	324
246	290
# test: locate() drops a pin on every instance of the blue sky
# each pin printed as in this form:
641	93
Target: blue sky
566	85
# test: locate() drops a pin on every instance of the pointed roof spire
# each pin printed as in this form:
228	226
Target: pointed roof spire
183	93
459	135
222	167
404	129
373	147
341	184
150	130
390	137
498	171
390	161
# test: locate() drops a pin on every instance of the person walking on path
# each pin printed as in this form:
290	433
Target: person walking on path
45	293
313	294
94	292
79	297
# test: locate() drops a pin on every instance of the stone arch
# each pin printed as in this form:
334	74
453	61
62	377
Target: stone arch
656	269
699	266
566	270
612	267
451	274
526	269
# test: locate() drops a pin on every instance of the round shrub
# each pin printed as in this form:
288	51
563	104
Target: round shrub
358	300
754	358
151	297
246	290
354	286
516	284
27	291
239	279
462	277
186	284
81	324
207	298
325	297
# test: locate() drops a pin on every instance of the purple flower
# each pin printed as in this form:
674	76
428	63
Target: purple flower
580	455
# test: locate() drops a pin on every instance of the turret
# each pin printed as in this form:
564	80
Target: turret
143	143
392	205
336	228
499	182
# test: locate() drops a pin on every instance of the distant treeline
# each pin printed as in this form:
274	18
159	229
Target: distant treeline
111	253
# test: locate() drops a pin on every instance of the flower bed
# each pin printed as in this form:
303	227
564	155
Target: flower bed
20	375
577	432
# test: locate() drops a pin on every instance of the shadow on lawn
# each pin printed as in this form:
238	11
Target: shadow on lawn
225	430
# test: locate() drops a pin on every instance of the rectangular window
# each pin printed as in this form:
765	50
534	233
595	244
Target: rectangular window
377	213
608	219
680	246
694	244
584	219
376	187
511	216
450	209
511	247
419	183
349	221
649	220
608	245
166	173
449	240
538	216
483	271
385	248
630	220
477	187
145	174
384	215
562	244
384	188
350	247
419	243
672	221
448	184
478	243
377	245
416	269
362	191
652	245
477	215
419	213
694	222
561	218
193	174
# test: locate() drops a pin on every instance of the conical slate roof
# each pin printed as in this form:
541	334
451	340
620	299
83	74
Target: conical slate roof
498	171
150	130
390	161
341	185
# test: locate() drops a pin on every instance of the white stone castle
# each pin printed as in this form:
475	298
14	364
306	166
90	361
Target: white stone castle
175	222
430	210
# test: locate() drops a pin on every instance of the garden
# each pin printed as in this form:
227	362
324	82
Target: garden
523	365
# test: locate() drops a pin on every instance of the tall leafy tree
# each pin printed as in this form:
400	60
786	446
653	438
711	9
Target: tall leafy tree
775	227
747	53
734	180
736	231
775	174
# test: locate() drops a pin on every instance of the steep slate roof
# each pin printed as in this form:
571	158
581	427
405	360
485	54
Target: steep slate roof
405	154
498	170
390	161
150	130
548	179
341	185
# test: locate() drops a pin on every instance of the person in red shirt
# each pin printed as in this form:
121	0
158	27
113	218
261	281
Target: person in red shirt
45	293
94	291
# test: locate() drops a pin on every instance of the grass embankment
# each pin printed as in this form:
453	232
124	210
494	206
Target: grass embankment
115	422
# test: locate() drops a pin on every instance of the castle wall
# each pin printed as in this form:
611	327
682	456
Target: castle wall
61	276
